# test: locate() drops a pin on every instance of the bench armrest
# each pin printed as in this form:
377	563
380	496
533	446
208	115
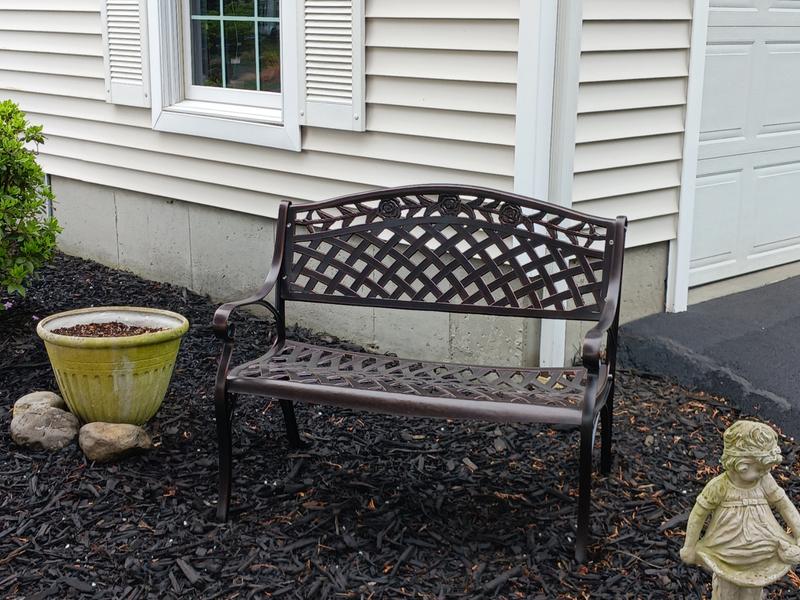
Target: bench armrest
609	314
223	329
594	338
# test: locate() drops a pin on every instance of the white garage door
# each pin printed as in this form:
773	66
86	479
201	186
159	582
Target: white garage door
747	214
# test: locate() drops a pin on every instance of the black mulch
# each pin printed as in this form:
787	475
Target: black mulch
377	507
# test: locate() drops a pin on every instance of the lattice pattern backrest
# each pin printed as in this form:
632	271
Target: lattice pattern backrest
449	249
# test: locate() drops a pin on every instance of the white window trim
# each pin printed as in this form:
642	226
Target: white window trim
228	95
171	112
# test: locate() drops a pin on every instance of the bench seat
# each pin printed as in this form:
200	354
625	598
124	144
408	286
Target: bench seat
385	384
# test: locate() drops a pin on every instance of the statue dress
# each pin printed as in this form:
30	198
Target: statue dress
742	542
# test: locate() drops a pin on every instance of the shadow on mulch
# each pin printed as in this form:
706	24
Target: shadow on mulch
377	507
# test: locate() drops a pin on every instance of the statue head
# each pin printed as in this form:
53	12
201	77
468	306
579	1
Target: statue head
749	442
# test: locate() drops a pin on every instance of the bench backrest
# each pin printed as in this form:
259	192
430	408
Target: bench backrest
450	248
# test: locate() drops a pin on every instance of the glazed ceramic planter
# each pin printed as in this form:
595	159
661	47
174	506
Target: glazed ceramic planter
114	379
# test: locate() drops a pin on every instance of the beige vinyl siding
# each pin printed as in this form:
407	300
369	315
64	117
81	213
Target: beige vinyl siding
76	6
55	64
443	9
83	44
631	112
450	34
637	10
57	86
625	95
55	19
441	92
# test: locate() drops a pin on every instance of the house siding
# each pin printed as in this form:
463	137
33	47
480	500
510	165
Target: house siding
441	84
631	111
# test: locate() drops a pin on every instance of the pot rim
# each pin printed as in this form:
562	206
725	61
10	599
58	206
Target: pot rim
142	339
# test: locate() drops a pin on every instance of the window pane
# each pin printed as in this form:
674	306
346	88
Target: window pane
206	53
238	8
205	7
268	8
240	54
269	47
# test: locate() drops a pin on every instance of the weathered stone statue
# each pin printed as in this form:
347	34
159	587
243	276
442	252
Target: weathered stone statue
744	547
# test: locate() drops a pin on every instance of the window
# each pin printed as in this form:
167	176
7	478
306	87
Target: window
249	71
232	51
226	69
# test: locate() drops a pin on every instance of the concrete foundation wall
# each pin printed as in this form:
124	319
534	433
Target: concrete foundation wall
226	255
220	253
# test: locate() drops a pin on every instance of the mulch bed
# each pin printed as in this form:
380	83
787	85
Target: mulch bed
375	507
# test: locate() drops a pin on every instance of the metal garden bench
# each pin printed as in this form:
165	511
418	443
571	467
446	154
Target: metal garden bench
439	248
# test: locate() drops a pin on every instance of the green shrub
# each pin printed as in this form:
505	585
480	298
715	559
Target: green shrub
27	234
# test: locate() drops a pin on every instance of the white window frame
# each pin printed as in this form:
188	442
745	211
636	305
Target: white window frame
172	111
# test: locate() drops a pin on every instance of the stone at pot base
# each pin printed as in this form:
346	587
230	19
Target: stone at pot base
105	442
44	427
37	399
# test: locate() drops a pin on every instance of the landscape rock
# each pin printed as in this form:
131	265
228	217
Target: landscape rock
37	399
105	442
44	427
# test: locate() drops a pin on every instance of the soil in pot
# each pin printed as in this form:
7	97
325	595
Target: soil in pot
111	329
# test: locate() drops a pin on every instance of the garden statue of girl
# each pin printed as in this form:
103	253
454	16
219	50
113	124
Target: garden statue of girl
744	547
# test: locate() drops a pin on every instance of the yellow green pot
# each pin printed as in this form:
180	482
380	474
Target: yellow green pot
114	379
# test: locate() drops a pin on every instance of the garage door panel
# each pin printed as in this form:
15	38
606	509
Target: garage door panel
777	191
717	205
780	111
747	214
752	86
721	7
760	13
725	107
788	9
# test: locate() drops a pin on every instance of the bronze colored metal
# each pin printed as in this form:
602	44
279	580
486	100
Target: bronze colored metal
443	248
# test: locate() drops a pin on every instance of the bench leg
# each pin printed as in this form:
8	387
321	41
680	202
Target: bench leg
585	495
291	424
224	414
606	433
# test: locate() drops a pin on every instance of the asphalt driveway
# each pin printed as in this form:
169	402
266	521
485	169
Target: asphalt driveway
744	347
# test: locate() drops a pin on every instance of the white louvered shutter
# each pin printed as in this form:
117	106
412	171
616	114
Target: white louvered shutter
125	52
334	73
